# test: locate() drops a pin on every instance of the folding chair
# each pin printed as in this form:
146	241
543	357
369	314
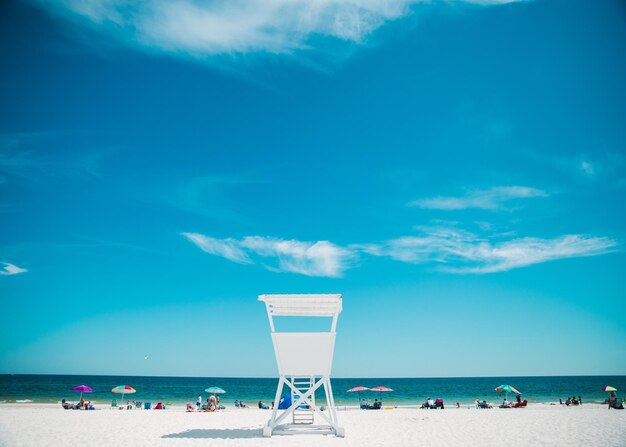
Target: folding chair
304	362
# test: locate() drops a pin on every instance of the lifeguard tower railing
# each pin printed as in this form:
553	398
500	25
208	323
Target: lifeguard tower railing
304	361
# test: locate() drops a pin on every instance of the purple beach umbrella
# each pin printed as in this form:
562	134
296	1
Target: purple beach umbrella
82	389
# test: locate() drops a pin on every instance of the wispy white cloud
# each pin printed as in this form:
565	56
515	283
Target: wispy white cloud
205	28
459	251
587	167
321	258
450	249
486	199
10	269
226	248
599	166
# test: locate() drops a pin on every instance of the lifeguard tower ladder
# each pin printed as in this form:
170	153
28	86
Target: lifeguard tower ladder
304	362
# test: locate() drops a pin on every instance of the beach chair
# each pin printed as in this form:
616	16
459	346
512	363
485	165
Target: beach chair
304	361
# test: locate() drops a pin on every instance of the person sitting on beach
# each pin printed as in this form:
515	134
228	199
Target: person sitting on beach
612	399
439	403
128	405
518	398
574	401
568	402
364	404
189	406
68	406
377	405
430	403
505	403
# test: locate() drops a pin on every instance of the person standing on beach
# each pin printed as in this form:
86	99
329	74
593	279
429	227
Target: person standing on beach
199	402
580	400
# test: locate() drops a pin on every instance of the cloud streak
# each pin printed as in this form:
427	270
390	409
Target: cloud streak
458	251
226	248
450	249
486	199
10	269
207	28
321	258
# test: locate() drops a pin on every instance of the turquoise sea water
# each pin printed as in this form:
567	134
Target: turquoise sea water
176	390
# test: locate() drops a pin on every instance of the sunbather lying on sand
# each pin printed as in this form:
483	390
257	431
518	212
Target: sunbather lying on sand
68	406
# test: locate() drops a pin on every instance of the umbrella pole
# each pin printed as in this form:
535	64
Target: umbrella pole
81	396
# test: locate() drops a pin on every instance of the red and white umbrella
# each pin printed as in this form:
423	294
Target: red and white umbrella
123	389
358	389
381	389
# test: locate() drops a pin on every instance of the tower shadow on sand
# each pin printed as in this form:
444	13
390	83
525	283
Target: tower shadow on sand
218	433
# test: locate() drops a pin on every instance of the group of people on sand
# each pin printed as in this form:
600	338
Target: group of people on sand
517	404
212	403
376	405
572	401
82	405
431	404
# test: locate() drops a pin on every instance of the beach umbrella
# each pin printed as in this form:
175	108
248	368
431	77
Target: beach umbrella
82	389
358	389
123	389
215	390
609	388
381	389
507	389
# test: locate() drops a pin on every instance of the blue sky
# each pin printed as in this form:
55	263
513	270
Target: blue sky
457	170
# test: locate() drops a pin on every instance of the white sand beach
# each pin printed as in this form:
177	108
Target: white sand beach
537	425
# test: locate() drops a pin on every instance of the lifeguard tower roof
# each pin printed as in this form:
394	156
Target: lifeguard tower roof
293	305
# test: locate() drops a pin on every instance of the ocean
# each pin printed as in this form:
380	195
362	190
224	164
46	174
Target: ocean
406	391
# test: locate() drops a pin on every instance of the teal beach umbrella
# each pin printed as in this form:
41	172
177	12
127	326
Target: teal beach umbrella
215	390
507	389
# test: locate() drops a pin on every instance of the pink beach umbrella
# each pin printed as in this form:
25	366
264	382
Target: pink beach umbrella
358	389
82	389
381	389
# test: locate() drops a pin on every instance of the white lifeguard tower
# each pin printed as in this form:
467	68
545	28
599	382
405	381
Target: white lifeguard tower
304	362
